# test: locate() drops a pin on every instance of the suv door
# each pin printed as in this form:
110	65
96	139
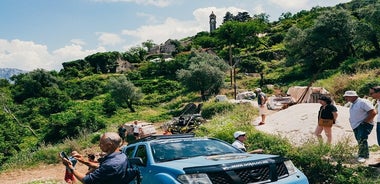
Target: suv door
141	152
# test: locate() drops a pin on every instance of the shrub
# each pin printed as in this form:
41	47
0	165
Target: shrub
213	108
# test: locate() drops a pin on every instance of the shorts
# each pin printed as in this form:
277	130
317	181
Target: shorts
136	134
262	110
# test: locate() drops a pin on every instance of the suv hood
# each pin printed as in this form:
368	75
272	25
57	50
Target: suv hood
218	160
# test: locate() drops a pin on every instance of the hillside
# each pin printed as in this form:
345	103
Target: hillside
45	112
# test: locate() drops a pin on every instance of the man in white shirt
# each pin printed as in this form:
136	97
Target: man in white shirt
240	137
362	113
137	129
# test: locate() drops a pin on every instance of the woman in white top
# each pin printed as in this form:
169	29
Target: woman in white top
137	130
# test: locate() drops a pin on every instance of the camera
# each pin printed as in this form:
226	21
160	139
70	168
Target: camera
63	155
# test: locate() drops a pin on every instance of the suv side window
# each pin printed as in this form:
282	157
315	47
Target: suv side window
129	151
141	152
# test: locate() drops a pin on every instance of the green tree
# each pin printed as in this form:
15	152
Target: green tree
261	17
242	17
294	41
85	88
253	65
235	36
10	137
105	62
139	53
204	40
124	92
82	117
33	84
12	131
77	68
205	74
149	44
228	17
324	45
368	30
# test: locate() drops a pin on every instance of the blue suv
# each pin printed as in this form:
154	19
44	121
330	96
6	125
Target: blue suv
186	159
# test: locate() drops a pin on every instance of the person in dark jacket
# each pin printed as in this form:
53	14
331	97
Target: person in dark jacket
111	169
326	111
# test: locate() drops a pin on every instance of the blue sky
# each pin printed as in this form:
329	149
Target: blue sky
45	33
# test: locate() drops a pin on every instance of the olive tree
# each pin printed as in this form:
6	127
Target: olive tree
124	92
325	44
205	74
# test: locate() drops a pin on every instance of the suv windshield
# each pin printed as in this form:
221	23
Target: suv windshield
167	150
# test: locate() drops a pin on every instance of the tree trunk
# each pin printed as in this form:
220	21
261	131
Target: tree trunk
261	79
130	106
230	61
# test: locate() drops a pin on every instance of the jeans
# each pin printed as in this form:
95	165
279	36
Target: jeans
378	133
361	135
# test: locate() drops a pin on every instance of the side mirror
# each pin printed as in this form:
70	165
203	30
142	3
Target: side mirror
136	161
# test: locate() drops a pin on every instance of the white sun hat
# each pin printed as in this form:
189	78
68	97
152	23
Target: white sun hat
350	93
238	133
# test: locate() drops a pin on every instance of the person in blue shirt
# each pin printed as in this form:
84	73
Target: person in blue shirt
111	169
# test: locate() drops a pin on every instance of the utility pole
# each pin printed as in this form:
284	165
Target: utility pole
237	60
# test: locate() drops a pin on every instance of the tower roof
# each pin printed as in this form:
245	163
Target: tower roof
212	15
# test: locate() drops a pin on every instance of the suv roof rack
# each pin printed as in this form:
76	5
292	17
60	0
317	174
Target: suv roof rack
173	136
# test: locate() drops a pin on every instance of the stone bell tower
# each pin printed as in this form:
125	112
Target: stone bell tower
212	22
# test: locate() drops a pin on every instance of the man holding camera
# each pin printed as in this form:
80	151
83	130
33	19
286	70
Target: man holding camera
112	168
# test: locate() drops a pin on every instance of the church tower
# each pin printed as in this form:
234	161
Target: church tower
212	22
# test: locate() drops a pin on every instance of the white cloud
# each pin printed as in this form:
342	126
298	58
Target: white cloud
159	33
71	53
78	42
258	9
151	19
286	4
158	3
173	28
202	15
27	55
23	54
109	39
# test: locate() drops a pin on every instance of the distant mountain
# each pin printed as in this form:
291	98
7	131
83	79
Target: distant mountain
6	73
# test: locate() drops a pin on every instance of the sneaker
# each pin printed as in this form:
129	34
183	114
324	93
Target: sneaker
261	123
361	159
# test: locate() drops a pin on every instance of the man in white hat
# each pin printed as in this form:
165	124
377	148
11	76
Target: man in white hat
261	100
240	137
362	113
